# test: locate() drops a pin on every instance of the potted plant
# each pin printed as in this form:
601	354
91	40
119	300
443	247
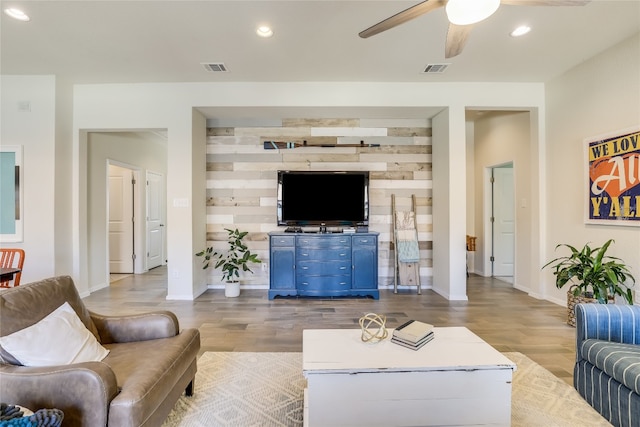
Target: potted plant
594	276
236	258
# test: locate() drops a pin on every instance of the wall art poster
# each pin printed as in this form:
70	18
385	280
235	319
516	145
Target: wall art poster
11	205
614	178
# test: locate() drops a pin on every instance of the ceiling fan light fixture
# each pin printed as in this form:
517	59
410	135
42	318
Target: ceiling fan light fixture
467	12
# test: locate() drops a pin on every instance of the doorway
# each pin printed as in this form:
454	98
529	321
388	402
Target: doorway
136	151
502	222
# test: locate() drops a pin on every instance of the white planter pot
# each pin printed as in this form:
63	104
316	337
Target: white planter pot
231	289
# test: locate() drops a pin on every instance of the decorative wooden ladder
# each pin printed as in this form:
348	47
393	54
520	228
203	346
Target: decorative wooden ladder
406	273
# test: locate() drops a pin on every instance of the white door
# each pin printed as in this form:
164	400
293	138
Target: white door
120	220
155	222
504	221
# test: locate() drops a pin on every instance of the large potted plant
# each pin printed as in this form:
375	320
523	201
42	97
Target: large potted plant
594	276
235	259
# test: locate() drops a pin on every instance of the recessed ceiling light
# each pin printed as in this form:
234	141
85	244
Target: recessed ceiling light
264	31
17	14
520	31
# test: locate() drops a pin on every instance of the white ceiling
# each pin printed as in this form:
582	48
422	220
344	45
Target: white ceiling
166	41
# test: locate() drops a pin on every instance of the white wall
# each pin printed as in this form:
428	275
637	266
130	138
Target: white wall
198	213
34	130
599	96
63	179
471	194
449	203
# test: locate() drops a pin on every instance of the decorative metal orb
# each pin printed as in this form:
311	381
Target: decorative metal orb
373	327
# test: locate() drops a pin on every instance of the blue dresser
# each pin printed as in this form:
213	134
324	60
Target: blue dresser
323	264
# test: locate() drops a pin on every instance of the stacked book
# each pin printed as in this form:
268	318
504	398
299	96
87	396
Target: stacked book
413	334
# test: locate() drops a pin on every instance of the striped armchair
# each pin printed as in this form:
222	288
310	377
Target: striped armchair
607	370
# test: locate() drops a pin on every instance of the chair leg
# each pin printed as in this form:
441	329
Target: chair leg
189	390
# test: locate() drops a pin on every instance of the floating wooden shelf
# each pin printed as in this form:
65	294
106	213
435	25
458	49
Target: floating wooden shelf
274	145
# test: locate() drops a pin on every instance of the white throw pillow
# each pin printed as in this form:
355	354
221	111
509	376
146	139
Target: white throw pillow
59	339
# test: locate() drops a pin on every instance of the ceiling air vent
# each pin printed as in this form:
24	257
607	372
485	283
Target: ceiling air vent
218	67
435	68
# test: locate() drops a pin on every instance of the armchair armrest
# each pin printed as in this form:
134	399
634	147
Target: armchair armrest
83	391
610	322
139	327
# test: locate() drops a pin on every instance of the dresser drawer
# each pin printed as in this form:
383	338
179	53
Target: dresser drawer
364	241
283	240
324	283
319	268
303	254
324	241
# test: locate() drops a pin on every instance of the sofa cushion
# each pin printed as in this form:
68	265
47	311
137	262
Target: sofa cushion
39	299
58	339
620	361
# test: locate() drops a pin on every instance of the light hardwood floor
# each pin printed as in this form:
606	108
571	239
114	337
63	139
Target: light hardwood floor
506	318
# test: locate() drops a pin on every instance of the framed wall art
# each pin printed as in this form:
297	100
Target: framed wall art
613	177
11	200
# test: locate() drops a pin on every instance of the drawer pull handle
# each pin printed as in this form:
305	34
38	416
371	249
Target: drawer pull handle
305	268
343	268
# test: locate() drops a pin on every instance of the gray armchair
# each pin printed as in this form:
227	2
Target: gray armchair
150	364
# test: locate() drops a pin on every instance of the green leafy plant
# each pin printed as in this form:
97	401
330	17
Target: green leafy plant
236	258
593	273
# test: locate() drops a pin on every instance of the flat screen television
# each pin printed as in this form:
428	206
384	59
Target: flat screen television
317	198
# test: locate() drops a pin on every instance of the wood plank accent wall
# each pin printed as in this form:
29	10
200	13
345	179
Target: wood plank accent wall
242	178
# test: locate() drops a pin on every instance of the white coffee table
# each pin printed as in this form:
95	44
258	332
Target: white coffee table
456	379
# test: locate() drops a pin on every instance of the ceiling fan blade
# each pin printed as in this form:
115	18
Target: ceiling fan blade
457	36
545	2
402	17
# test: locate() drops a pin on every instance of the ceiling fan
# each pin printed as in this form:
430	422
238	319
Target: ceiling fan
462	14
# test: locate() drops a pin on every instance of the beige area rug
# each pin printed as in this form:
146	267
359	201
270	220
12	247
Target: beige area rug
539	398
266	389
